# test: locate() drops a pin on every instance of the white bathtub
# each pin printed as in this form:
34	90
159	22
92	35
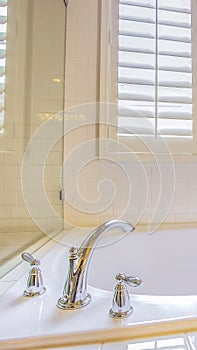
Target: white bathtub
166	261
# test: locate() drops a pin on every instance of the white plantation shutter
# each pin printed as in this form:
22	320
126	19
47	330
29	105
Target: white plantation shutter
155	67
3	30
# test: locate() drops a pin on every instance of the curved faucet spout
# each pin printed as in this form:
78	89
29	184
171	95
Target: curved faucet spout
89	244
75	293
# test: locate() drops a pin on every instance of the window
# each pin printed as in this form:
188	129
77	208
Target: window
155	66
3	31
150	75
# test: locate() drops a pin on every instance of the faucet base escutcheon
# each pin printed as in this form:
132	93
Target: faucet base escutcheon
120	314
27	293
65	304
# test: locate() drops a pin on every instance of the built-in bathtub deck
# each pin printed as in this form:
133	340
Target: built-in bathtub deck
42	321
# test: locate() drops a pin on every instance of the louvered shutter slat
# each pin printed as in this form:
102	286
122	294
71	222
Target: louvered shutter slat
172	111
2	36
2	53
3	19
142	3
3	3
145	61
3	30
2	71
147	30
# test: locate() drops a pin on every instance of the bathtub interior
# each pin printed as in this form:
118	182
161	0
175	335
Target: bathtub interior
165	260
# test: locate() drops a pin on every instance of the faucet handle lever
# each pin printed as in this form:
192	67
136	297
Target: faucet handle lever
35	284
30	259
130	280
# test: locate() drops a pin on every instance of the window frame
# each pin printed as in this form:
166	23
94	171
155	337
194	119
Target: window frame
2	7
181	150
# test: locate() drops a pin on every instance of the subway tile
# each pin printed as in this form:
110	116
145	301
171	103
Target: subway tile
136	218
19	211
56	92
58	209
86	220
8	144
8	198
9	171
8	225
10	130
53	171
52	184
169	218
53	198
186	195
50	225
184	208
5	211
185	168
20	129
2	157
186	183
34	198
13	158
32	172
186	217
11	184
25	225
120	209
52	105
8	238
69	220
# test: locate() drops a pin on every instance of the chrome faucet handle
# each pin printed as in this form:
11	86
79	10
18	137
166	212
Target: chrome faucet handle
35	281
121	306
130	280
30	259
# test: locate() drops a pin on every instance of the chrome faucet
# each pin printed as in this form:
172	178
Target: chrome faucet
75	294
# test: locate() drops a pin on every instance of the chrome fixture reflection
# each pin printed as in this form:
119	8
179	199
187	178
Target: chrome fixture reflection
35	281
75	293
121	306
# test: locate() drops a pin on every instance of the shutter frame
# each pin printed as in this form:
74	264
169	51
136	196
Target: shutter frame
183	98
